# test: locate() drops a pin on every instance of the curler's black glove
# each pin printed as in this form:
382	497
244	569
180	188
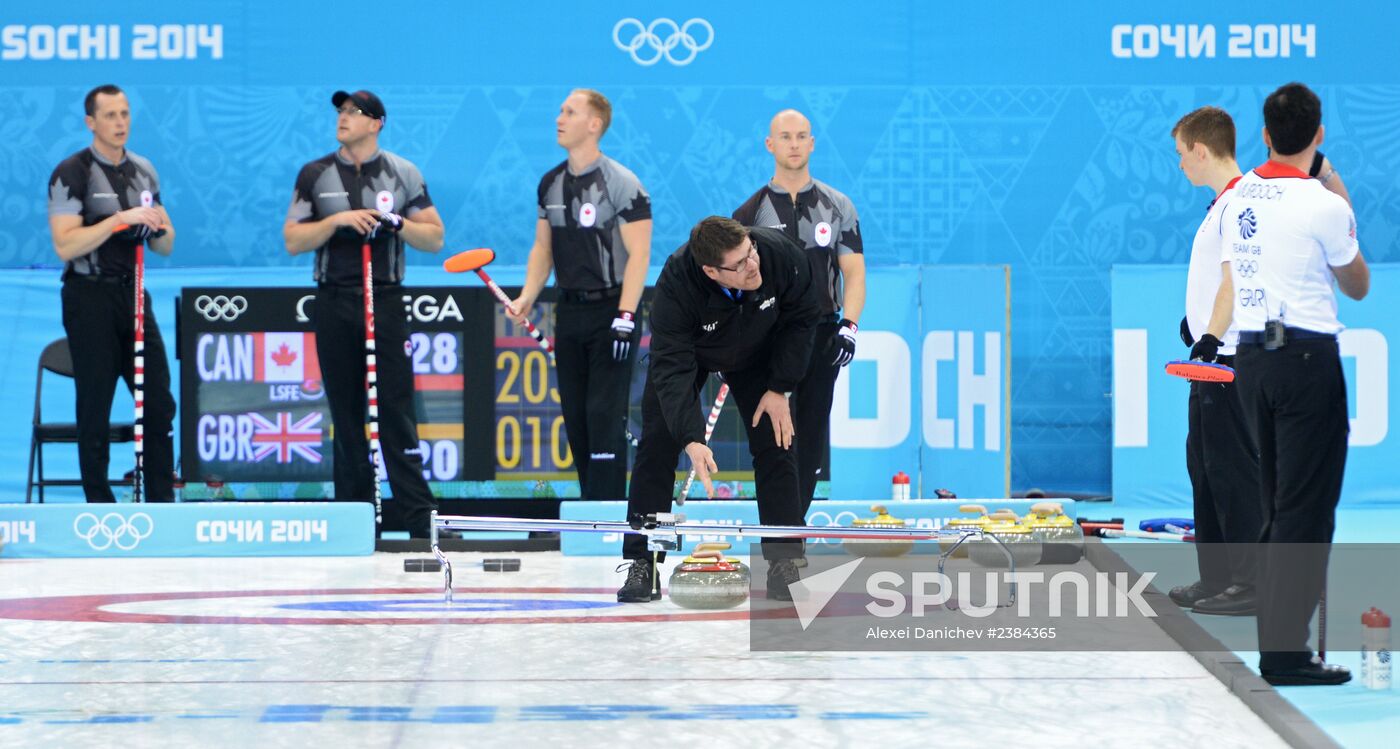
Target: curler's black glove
141	232
391	222
623	326
843	344
1206	348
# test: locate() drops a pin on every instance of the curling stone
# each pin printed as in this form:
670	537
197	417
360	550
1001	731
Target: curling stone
946	542
1019	540
1062	539
878	547
709	580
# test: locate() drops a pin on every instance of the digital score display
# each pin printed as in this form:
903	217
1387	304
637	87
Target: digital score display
253	401
531	442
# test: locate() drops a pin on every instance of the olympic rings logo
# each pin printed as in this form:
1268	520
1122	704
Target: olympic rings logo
1246	268
114	529
676	35
220	307
824	519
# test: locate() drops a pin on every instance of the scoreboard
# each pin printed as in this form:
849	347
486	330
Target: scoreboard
253	409
253	403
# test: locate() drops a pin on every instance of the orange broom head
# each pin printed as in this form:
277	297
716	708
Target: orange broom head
1201	371
469	260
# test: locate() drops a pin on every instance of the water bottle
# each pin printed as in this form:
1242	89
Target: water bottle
1375	649
899	488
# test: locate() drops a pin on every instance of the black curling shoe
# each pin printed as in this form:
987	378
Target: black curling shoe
642	586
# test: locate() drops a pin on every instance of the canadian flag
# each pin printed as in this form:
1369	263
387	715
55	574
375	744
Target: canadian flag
285	357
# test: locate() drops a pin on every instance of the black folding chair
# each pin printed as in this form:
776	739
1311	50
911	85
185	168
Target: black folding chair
58	360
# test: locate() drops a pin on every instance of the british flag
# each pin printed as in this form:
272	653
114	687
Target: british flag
286	438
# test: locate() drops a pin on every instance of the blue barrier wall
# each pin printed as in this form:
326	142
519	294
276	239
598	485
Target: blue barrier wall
241	529
1149	446
1018	133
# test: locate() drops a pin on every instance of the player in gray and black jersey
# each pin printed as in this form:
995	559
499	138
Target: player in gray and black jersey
594	232
334	205
91	193
823	221
333	208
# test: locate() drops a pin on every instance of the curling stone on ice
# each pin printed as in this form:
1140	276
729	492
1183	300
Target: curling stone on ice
1017	538
979	521
709	580
1062	539
878	547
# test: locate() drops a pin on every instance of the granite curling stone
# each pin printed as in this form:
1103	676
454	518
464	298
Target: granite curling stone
1016	538
878	547
1062	538
709	580
980	520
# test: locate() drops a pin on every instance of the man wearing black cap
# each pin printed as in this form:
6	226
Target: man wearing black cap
741	302
333	209
91	193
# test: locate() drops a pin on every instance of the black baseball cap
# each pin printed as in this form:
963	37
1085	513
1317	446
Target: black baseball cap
365	100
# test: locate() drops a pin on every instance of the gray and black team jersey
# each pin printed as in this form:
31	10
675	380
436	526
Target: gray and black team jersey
821	219
88	185
585	214
330	185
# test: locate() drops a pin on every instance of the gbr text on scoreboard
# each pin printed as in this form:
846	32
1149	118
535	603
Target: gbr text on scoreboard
142	41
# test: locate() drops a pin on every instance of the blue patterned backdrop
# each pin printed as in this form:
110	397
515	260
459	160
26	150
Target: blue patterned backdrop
1034	135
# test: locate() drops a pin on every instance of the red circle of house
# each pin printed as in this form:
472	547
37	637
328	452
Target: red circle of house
91	608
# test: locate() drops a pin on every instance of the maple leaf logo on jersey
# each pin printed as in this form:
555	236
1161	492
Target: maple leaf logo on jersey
284	356
1248	224
823	234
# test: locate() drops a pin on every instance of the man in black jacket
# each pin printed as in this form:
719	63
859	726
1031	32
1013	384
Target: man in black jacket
740	302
